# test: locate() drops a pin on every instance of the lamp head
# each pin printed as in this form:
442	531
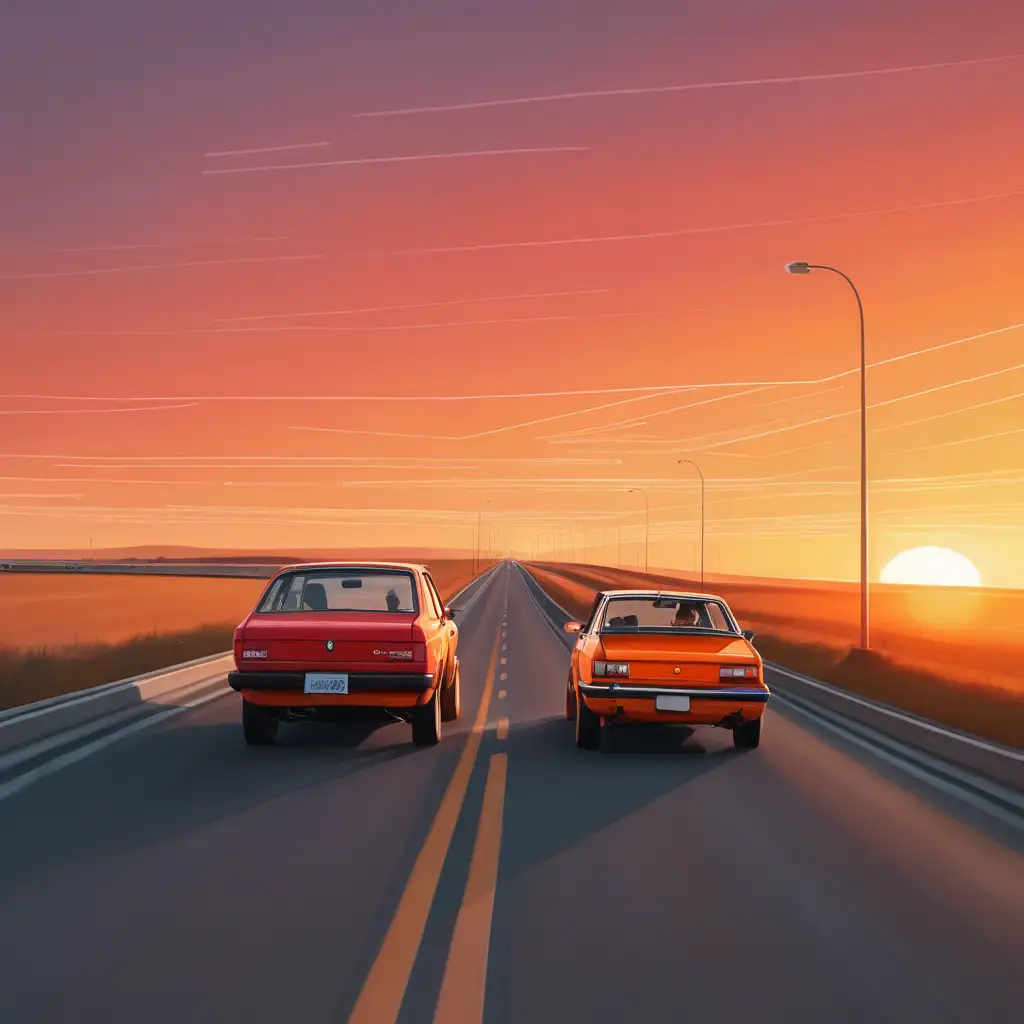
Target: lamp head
798	267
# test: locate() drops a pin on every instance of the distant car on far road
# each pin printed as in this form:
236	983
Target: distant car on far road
673	658
329	640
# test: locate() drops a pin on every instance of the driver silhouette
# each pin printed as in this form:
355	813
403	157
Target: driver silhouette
686	615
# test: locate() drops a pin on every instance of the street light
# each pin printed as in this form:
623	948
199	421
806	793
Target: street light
803	267
690	462
647	531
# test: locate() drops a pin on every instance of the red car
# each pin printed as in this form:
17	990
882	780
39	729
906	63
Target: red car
327	639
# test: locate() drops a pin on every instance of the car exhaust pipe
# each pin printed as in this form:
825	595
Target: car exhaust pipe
302	713
731	721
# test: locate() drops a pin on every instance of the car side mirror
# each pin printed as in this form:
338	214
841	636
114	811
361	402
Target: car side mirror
449	613
748	635
573	627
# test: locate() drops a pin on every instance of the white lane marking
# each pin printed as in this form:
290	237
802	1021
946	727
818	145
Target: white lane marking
19	783
504	675
37	748
909	719
906	765
483	583
559	634
502	694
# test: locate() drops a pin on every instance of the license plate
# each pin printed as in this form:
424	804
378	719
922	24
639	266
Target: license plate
326	682
672	703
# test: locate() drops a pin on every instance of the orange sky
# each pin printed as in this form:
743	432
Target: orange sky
109	137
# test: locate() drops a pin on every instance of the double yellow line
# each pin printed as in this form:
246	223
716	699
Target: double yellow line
464	984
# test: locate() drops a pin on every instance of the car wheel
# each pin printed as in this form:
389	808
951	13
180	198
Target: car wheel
259	724
426	721
570	701
588	726
748	735
451	697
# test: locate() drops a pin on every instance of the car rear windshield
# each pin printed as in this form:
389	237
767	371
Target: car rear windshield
666	614
342	590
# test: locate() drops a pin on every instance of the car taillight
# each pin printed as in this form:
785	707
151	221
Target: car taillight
611	668
737	672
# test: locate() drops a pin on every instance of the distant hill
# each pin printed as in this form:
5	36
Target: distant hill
170	552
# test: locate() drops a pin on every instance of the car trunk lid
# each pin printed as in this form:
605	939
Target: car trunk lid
357	639
676	658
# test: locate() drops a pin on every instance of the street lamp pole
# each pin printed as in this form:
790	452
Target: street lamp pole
690	462
647	529
802	267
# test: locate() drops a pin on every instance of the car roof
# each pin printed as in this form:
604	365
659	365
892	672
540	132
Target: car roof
685	594
409	566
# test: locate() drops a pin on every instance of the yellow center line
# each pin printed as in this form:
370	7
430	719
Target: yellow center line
465	977
502	728
384	989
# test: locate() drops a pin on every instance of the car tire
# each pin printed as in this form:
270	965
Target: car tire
748	735
426	721
588	726
570	701
451	697
259	724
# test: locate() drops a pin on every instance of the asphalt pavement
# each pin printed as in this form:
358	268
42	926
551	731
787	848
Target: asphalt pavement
505	876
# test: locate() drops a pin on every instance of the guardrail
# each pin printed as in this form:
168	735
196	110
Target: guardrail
212	570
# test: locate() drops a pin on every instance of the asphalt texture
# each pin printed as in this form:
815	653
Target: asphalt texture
179	875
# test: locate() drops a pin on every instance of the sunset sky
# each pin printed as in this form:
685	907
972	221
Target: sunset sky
241	243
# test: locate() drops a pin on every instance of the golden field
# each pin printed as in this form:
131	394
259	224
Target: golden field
65	632
56	610
971	635
971	681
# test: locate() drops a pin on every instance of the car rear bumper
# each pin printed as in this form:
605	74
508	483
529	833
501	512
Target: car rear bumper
617	691
358	682
725	706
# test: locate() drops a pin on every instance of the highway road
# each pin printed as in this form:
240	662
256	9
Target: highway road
504	876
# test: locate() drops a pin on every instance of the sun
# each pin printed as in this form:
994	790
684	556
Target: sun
932	567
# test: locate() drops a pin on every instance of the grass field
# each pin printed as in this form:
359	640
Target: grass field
971	636
65	632
974	705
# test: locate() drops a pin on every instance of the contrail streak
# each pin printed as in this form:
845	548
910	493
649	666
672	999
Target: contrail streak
266	149
94	412
641	236
413	158
154	266
137	246
652	389
684	87
412	305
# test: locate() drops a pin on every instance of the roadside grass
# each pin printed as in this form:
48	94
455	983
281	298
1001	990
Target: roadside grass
990	712
42	671
32	675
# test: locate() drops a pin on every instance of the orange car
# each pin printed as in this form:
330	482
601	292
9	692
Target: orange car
651	656
329	640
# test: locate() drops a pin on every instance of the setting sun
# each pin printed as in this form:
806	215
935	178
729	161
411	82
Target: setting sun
932	566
